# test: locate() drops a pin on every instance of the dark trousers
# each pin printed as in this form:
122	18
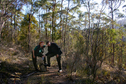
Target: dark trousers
58	59
35	61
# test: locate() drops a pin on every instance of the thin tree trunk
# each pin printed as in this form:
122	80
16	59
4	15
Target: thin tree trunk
66	28
0	33
105	46
52	27
89	37
1	22
14	32
102	43
88	31
113	48
39	27
53	15
29	28
89	18
85	22
11	28
14	22
121	61
61	22
46	27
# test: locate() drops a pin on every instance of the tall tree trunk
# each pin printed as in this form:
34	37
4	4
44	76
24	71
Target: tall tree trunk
88	31
89	36
66	28
53	15
113	49
14	27
89	19
39	27
15	21
11	28
61	23
121	55
29	29
46	27
105	46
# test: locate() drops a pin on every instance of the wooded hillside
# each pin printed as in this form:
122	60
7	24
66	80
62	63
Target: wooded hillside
87	31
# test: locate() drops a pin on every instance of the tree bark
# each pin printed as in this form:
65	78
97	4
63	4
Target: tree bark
29	28
46	27
88	31
66	28
15	27
53	15
61	23
113	48
11	28
1	26
121	55
39	26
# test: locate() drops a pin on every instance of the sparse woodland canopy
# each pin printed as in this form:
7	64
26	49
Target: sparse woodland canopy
86	30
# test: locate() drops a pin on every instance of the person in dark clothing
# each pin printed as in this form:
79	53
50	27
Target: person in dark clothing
38	51
54	50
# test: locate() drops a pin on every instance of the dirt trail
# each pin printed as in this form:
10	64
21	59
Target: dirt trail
49	77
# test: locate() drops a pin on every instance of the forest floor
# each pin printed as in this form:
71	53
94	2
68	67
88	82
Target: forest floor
16	67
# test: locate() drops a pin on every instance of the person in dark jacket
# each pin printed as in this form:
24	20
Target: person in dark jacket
38	51
54	50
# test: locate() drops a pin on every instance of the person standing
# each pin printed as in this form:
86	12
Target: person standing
38	51
54	50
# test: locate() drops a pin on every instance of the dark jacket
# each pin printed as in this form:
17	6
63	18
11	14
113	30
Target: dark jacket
38	50
54	49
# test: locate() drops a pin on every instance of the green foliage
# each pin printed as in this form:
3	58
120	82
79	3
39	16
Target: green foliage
57	34
113	35
84	36
24	30
79	45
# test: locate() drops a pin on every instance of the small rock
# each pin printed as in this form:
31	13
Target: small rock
11	49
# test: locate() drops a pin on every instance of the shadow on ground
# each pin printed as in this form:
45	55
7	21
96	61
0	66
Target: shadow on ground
10	73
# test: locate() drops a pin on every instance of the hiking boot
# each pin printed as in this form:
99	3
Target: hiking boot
60	71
